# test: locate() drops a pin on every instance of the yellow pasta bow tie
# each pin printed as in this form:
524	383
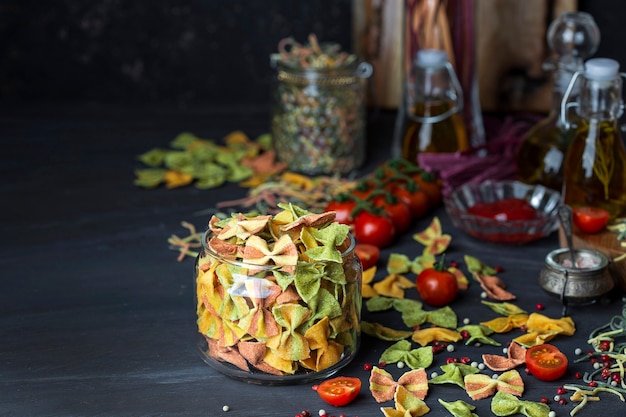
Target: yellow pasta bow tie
284	253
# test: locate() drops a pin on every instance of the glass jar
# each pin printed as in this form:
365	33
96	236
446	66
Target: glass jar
595	165
572	37
273	324
318	120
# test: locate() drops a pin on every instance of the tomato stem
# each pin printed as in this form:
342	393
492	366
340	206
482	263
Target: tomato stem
440	265
364	205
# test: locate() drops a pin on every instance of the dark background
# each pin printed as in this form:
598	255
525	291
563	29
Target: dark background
183	53
179	52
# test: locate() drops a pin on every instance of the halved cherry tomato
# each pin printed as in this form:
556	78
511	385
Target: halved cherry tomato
590	219
437	286
368	254
339	391
546	362
343	210
374	229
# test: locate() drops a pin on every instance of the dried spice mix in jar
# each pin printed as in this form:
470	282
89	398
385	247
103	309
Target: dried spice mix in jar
278	297
318	120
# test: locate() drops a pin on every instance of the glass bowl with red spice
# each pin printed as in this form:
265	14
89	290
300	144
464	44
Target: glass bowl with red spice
504	211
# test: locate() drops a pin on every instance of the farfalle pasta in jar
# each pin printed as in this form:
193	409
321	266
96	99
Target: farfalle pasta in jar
278	296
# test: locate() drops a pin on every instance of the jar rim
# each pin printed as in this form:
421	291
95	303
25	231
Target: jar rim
242	264
347	74
602	261
348	65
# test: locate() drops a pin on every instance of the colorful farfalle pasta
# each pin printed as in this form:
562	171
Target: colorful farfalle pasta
279	295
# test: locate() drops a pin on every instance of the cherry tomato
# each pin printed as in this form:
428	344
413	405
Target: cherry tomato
373	229
339	391
437	286
397	210
343	210
368	254
590	219
417	201
431	185
363	189
508	209
546	362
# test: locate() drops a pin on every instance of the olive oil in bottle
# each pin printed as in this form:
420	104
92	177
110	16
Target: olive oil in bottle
572	37
448	135
433	119
595	165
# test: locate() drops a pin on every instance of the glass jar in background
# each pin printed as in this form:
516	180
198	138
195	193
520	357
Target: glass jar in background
595	165
318	118
434	118
267	317
572	37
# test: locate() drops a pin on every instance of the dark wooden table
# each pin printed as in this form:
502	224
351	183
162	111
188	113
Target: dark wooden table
97	316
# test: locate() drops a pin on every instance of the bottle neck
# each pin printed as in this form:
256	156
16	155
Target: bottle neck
432	83
564	71
601	100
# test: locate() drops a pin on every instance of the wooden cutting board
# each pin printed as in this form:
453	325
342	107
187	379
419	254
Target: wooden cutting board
604	242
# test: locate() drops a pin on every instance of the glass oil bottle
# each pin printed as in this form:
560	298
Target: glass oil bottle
595	165
572	37
434	122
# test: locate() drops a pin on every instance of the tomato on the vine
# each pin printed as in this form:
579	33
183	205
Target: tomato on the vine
417	201
431	185
374	229
343	210
437	286
546	362
339	391
364	189
367	254
397	210
590	219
